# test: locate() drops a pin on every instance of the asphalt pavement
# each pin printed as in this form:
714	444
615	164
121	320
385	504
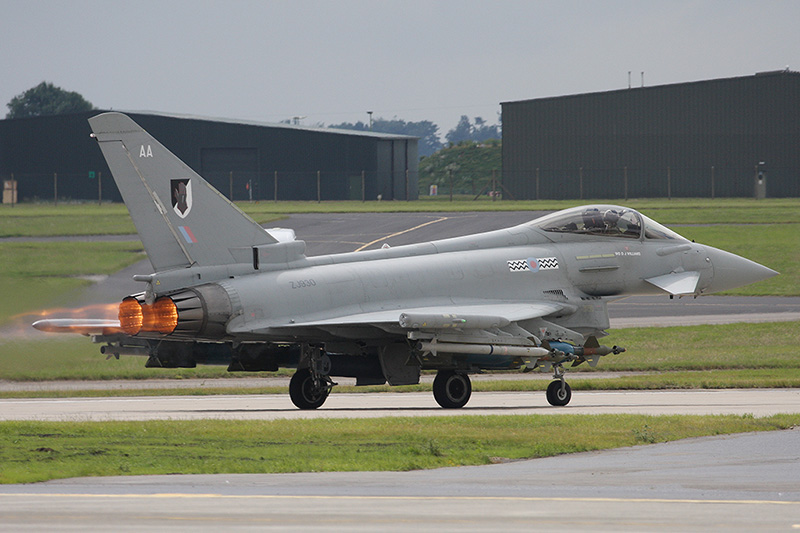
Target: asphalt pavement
726	483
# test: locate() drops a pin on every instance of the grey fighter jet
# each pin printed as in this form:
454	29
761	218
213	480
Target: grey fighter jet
226	291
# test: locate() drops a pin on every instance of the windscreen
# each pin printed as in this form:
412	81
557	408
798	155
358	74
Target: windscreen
608	221
654	230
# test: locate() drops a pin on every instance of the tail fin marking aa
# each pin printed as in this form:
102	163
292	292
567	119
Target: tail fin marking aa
181	219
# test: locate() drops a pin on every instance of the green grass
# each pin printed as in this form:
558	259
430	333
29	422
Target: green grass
112	219
39	220
680	357
775	245
61	357
676	211
39	451
708	347
706	379
37	275
43	259
36	220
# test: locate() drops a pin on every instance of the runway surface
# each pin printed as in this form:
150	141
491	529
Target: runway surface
730	483
758	402
743	482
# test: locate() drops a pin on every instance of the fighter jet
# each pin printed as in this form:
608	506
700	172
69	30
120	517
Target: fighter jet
226	291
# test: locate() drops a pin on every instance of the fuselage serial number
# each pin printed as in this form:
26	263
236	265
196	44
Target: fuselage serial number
302	283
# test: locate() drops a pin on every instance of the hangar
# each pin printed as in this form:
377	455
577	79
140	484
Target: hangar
54	157
733	137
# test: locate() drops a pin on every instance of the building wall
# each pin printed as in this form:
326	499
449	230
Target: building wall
242	160
691	140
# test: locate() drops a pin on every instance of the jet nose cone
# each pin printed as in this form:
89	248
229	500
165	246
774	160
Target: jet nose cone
732	271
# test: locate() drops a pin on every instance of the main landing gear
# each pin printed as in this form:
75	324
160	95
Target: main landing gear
451	389
310	386
307	392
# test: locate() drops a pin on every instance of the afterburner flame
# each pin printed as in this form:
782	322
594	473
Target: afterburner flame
131	316
135	318
165	315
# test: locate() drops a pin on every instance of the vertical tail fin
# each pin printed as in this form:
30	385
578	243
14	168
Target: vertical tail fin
181	219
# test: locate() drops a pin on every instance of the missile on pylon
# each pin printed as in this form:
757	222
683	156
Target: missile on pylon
591	351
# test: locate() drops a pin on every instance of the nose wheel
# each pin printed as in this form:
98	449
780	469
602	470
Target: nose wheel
559	392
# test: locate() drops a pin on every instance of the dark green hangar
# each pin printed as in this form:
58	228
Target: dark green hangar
734	137
54	157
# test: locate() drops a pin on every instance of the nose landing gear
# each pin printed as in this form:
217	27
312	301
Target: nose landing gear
559	392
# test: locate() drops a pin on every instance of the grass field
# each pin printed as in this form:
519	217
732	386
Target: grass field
112	219
40	275
39	451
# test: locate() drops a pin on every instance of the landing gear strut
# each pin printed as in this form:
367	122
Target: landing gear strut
559	392
451	389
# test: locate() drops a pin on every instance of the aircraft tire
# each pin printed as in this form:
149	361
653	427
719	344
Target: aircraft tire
302	393
555	396
451	389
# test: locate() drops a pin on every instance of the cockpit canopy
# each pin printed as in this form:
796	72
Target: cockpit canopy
606	221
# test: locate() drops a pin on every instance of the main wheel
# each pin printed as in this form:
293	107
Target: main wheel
303	393
556	396
451	389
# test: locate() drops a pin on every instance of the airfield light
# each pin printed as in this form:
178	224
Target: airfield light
131	316
164	315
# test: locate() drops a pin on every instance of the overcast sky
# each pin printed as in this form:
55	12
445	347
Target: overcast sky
332	61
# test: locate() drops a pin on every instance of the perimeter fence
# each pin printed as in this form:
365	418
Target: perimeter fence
626	182
317	185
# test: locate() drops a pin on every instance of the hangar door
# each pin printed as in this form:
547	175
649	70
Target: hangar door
232	171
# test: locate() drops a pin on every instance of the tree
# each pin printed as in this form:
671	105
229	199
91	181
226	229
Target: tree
469	164
466	131
427	131
46	99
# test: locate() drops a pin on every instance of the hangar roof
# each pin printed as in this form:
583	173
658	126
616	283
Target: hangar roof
244	122
785	72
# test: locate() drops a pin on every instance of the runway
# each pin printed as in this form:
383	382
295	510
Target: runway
729	483
733	483
757	402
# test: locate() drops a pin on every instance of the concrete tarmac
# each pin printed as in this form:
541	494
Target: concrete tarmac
756	402
730	483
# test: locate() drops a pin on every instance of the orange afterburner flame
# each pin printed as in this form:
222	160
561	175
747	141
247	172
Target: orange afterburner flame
165	315
131	316
135	318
